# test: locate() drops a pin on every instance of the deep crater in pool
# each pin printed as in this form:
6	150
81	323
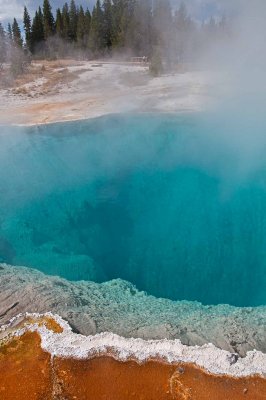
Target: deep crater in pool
160	201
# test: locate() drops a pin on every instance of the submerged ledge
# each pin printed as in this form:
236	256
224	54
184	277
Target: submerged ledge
41	359
119	308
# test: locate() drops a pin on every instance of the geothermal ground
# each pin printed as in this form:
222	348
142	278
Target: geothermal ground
40	357
68	90
116	342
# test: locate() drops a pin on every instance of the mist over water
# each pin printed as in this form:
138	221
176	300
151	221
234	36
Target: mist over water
235	121
158	201
175	205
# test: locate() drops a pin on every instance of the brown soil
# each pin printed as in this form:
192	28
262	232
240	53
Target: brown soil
27	372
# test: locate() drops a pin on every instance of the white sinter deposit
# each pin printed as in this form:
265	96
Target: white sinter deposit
71	345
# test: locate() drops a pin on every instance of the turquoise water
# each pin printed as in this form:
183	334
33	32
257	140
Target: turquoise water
163	202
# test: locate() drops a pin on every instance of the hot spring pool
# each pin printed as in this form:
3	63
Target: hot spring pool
153	200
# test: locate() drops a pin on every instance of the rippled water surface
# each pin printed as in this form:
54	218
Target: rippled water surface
159	201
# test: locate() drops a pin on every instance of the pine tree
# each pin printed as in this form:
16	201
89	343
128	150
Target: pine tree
9	33
59	27
37	32
162	15
65	18
3	46
181	16
156	65
211	26
27	29
73	20
127	20
145	27
16	34
180	22
163	29
96	33
107	24
48	19
17	56
117	12
87	25
123	14
117	18
140	35
223	23
81	28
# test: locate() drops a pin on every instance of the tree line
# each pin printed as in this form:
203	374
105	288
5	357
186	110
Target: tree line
139	27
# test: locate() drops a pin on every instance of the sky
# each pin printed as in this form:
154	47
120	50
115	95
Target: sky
199	9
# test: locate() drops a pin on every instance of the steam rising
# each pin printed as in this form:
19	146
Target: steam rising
236	119
236	63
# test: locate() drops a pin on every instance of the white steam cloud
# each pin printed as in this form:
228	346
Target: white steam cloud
238	123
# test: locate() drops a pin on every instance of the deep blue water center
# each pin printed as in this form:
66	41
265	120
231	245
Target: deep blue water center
159	201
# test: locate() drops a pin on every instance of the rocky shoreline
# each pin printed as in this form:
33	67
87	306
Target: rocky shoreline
119	308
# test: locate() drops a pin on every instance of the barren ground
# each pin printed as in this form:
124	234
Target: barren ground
69	90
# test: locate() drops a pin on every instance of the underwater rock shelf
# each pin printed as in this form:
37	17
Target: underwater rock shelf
40	357
118	307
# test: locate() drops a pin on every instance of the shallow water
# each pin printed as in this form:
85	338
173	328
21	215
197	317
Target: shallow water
162	202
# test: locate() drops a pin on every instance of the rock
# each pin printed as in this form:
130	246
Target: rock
118	307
